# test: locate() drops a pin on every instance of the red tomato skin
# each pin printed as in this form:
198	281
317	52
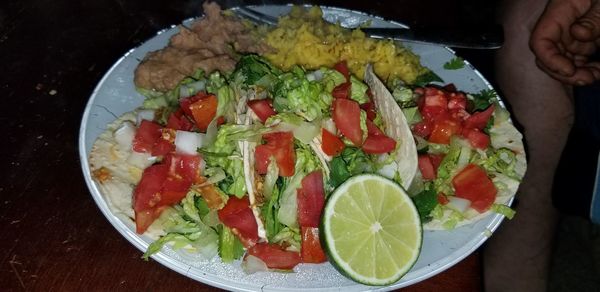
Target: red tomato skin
145	218
476	138
342	67
479	120
473	184
457	101
442	199
422	129
426	167
373	130
262	157
275	256
185	103
238	216
178	121
147	192
450	87
436	160
379	144
369	107
342	90
311	251
263	108
282	148
162	147
443	130
204	111
332	145
346	116
146	135
311	199
183	166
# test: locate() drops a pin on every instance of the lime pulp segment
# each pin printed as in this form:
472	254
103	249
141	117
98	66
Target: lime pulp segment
372	230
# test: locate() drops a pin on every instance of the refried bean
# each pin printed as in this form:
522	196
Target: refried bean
209	44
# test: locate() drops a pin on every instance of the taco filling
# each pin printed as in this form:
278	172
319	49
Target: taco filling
239	161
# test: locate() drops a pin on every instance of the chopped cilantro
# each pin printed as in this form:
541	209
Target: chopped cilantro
427	78
484	99
455	64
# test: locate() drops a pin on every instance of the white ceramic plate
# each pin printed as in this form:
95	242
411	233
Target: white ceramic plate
115	95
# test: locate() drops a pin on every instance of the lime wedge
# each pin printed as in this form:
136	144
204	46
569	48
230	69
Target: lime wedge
371	230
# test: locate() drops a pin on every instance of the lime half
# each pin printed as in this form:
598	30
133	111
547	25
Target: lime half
371	230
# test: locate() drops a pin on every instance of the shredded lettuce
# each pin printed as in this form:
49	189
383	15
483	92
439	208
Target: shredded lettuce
288	236
226	103
214	82
502	161
412	115
302	130
363	124
230	248
358	90
331	79
507	211
185	229
269	213
453	220
293	92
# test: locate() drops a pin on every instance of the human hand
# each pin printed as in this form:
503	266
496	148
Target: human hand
566	35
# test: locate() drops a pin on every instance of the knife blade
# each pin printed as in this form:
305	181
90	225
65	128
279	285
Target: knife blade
487	38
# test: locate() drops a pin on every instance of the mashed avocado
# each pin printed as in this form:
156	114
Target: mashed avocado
303	38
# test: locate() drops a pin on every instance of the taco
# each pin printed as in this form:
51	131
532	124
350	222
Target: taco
471	157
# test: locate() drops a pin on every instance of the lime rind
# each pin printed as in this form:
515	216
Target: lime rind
369	211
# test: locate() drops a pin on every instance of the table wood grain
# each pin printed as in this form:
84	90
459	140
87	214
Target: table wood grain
52	54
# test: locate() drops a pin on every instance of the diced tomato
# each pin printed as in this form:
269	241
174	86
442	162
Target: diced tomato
459	114
282	148
369	107
185	103
311	198
422	129
342	90
457	101
178	121
183	166
373	130
346	116
379	144
442	199
311	252
145	218
419	91
443	130
436	160
473	184
332	145
147	192
263	108
479	120
238	216
477	138
436	100
262	157
162	147
275	256
174	190
426	167
342	67
146	135
203	111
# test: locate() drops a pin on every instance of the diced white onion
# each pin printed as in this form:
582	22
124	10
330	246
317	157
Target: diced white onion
329	125
124	135
252	264
144	115
140	160
458	204
188	142
389	170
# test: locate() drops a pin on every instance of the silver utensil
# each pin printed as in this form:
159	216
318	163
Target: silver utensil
471	38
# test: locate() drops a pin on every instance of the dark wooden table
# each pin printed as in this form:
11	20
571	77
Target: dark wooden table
52	54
